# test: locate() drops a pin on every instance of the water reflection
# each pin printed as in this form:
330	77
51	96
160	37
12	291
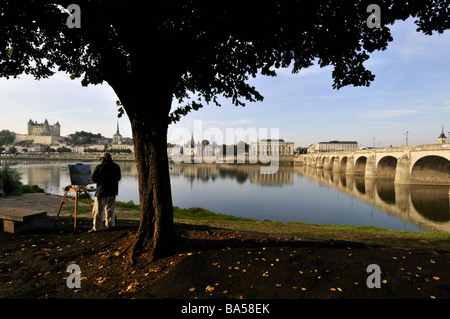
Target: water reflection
423	205
239	173
293	193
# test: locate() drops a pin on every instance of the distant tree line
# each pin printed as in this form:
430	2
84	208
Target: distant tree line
62	149
82	138
235	149
6	137
301	150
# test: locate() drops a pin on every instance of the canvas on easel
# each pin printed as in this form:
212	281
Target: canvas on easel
80	177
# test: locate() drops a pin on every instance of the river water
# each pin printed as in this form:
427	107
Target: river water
292	194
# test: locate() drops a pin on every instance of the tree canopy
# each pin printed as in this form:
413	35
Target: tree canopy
6	137
79	138
201	48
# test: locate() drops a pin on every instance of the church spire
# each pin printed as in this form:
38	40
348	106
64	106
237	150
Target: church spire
117	127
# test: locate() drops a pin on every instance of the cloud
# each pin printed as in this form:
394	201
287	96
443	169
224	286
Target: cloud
443	109
390	113
409	44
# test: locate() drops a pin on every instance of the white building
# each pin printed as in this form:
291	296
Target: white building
271	147
333	146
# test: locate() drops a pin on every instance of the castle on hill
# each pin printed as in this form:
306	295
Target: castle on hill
41	133
43	129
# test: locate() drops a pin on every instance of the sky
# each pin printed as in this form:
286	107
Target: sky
410	93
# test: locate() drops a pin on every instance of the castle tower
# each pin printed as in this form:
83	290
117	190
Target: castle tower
56	131
442	139
46	129
29	126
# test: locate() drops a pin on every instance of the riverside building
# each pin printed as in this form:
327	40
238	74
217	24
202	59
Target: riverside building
333	146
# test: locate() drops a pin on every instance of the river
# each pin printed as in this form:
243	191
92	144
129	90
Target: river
292	194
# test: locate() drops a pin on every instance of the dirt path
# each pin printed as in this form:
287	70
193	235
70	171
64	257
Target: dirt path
47	202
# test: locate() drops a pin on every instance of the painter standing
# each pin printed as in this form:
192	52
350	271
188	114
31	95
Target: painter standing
107	176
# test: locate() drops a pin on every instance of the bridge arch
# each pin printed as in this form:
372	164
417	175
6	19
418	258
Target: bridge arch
387	166
431	169
343	164
386	191
360	165
332	161
319	162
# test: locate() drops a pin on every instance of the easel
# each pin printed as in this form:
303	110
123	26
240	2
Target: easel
77	189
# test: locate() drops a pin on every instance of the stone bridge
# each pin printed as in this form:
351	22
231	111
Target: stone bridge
419	164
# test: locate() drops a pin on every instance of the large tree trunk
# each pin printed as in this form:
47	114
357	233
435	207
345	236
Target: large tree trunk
146	97
147	106
155	233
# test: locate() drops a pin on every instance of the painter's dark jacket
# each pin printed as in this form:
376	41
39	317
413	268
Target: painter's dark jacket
107	176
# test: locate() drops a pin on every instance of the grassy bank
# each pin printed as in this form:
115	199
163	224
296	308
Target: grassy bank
309	231
363	234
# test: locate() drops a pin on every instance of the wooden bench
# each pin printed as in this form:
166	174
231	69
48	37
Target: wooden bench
20	219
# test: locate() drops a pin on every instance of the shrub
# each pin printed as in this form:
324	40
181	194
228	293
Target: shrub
11	180
32	189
